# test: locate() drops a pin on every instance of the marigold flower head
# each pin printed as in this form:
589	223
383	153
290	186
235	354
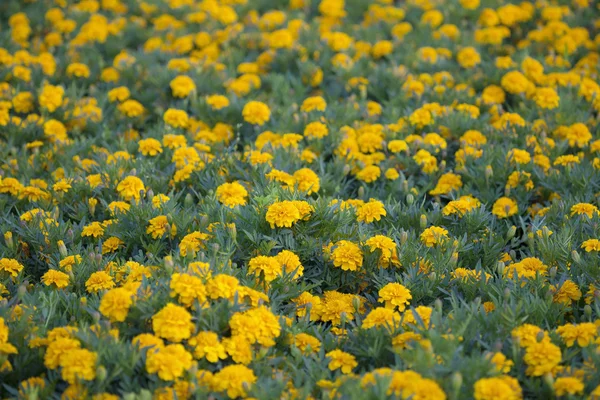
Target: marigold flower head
173	323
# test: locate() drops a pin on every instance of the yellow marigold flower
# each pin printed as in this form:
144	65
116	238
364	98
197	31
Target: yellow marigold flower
501	362
99	280
176	118
173	323
583	333
115	304
395	295
256	113
369	174
182	86
546	98
78	364
315	130
217	102
434	235
519	156
566	293
206	345
291	263
58	279
10	266
169	362
370	211
382	317
307	343
192	243
584	209
131	108
267	267
120	94
424	314
307	180
397	146
468	57
111	244
347	256
591	245
257	325
341	360
541	358
94	229
239	349
313	103
282	214
78	70
505	207
447	183
188	288
144	340
234	380
501	387
568	385
131	188
222	286
157	226
57	349
150	147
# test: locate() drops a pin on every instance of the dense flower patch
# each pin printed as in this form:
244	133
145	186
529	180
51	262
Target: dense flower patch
299	199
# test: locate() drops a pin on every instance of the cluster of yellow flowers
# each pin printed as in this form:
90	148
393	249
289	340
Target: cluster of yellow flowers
299	199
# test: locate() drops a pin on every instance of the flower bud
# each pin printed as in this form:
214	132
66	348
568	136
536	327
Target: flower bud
553	272
576	256
361	192
507	293
101	373
423	221
346	170
489	172
511	232
62	249
92	205
8	238
587	310
22	291
188	201
457	381
438	304
500	267
403	237
150	194
405	186
410	199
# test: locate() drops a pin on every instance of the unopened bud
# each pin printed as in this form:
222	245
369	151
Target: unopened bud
457	381
576	256
150	194
346	170
188	201
8	238
512	231
96	316
62	249
549	379
92	205
587	310
405	186
507	293
454	259
22	291
356	303
432	276
101	374
540	336
410	199
489	172
361	192
403	237
553	272
216	247
438	304
500	267
423	221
